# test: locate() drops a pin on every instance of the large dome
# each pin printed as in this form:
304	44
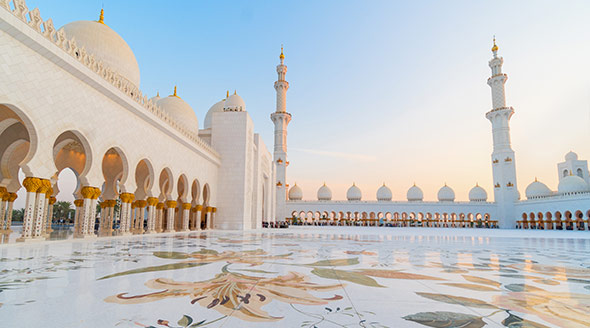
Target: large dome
537	189
295	193
324	193
415	194
384	193
180	111
218	107
446	194
234	103
572	184
106	45
354	193
477	194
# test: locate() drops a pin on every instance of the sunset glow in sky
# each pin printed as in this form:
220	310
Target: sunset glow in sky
380	91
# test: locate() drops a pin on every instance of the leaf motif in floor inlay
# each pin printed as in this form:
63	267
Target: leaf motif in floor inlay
514	321
441	319
165	267
351	276
335	262
479	280
475	287
394	274
451	299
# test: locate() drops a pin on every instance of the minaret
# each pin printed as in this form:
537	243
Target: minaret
503	161
281	119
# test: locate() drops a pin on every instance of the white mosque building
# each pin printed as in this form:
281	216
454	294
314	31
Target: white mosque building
566	208
70	98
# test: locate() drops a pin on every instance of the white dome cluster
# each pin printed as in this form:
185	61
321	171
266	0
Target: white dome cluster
105	45
446	194
354	193
384	194
478	194
537	190
324	193
295	193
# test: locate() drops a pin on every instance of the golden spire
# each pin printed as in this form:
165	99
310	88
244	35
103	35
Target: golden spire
495	47
535	179
235	92
175	92
227	94
157	93
101	17
282	56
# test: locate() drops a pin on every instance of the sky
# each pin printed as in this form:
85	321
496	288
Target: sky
380	91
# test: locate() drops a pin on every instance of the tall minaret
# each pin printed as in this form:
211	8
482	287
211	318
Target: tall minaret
281	119
503	161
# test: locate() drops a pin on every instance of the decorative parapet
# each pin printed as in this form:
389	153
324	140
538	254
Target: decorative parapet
47	30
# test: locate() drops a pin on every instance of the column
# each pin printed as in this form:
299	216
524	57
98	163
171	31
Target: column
78	217
4	196
112	204
125	218
31	184
40	208
51	202
104	216
198	210
8	221
159	217
133	217
47	219
140	204
88	214
171	206
213	217
186	208
151	219
208	211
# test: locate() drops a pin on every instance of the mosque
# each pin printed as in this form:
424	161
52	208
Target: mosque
70	98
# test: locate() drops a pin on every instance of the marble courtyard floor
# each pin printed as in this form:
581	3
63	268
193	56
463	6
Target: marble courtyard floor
302	277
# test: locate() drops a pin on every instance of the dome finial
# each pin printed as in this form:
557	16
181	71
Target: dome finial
175	92
495	47
477	184
101	17
536	179
235	92
227	94
157	93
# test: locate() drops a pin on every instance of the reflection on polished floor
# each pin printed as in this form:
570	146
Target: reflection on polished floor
301	277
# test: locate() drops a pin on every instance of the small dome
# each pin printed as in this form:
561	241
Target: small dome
234	103
384	193
537	189
218	107
446	194
295	193
106	45
572	184
571	156
478	194
156	98
180	111
354	193
324	193
415	194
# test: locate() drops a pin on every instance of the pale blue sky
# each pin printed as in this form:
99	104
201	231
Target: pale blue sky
381	91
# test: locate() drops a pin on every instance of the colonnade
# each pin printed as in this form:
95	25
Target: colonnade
559	220
139	216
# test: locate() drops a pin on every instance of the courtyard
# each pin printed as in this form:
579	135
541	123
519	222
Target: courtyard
301	277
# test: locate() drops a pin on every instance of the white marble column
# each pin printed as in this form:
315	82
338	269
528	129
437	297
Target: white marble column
8	221
40	209
208	217
171	204
198	213
186	208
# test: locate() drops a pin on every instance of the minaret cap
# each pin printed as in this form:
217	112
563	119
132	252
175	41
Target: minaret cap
101	17
174	94
282	56
495	47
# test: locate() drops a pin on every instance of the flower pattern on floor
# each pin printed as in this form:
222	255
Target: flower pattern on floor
299	278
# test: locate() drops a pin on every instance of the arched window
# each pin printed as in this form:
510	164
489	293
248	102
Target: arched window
580	173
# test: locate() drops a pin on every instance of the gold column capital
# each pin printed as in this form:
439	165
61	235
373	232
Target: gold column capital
52	200
141	203
13	197
79	202
214	209
32	184
160	206
208	209
171	203
126	197
87	192
186	206
199	207
152	201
